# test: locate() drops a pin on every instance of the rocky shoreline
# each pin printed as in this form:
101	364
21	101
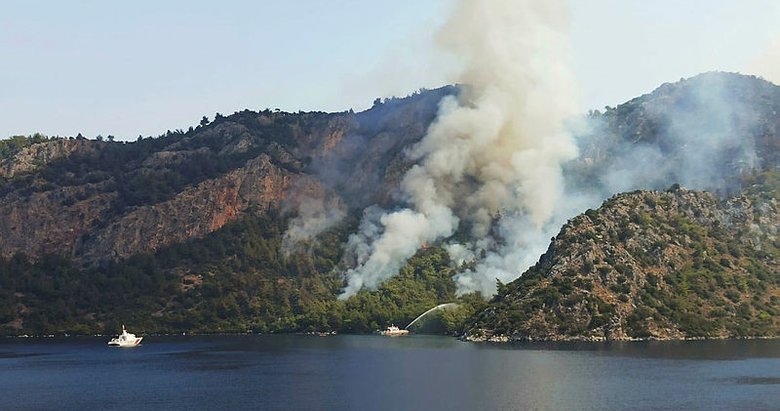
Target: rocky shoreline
502	339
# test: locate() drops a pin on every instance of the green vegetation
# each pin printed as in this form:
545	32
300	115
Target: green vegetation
13	144
234	280
667	268
131	170
645	264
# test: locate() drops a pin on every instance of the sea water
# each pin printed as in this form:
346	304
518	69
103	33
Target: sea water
376	373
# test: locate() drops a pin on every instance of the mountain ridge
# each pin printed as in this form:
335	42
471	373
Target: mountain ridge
267	159
191	231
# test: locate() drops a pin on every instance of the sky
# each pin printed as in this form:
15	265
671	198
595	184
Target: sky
144	67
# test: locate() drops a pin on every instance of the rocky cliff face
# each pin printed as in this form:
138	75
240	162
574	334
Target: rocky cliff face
196	211
94	201
38	155
84	220
664	265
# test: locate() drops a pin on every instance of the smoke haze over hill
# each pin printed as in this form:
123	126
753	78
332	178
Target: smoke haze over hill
496	150
705	133
491	162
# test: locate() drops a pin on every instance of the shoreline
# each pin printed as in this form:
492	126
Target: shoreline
499	339
504	339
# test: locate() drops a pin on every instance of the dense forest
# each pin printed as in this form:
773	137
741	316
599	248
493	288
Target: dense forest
234	280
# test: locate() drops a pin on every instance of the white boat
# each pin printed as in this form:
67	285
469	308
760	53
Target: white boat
125	339
394	331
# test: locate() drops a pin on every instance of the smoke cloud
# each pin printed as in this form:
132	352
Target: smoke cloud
700	133
492	158
703	133
315	215
500	166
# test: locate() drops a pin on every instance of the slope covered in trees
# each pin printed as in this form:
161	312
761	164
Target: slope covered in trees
666	265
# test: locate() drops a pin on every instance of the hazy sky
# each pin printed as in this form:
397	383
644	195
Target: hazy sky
142	67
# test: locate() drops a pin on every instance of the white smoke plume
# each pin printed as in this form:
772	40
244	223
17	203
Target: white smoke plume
493	154
700	133
315	215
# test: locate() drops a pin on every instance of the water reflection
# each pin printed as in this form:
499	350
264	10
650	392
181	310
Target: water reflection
372	372
702	350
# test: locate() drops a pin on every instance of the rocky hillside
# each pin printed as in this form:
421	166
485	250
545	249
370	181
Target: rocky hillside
668	265
99	200
704	133
186	231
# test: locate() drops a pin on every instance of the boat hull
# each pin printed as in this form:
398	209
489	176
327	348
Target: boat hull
395	333
125	344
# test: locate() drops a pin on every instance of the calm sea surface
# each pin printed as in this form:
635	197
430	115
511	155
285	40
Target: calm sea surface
374	372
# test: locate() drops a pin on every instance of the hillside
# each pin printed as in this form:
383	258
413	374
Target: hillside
649	264
705	133
97	200
185	231
198	230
